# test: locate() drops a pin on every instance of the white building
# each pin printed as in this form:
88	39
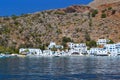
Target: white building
113	49
97	52
73	45
92	51
47	53
118	45
102	41
53	44
30	51
108	49
54	53
79	48
118	48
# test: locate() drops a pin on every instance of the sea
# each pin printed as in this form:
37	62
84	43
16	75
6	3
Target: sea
60	68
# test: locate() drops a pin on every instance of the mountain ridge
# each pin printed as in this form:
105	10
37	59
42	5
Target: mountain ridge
96	3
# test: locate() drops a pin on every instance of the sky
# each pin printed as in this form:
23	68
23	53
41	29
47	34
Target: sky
18	7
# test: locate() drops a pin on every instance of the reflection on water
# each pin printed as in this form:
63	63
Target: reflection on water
57	68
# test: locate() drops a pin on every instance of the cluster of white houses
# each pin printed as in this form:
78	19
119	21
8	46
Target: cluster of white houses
76	49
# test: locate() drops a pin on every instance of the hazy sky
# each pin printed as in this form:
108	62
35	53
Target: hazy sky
17	7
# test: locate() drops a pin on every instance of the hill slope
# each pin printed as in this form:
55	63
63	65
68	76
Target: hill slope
96	3
74	22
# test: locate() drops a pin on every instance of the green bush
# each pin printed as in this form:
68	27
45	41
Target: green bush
75	14
8	50
54	49
16	23
66	39
103	15
14	17
91	43
42	47
109	8
64	42
110	42
94	13
24	15
59	31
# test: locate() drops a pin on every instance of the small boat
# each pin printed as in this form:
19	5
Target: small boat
2	55
56	56
22	56
101	55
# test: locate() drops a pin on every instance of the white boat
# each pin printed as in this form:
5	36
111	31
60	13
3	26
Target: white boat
2	55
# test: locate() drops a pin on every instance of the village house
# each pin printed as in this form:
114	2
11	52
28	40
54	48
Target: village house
47	53
77	47
53	44
97	52
32	51
102	41
113	49
118	48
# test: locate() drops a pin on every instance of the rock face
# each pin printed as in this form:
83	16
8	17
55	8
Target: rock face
96	3
79	23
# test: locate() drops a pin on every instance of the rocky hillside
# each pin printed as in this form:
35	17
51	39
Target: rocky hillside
96	3
78	23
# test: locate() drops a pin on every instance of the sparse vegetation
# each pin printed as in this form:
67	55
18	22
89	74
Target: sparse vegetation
8	50
75	14
103	11
87	37
110	8
54	48
110	42
113	12
42	47
90	22
94	13
16	23
91	44
60	12
14	17
66	39
24	15
59	31
103	15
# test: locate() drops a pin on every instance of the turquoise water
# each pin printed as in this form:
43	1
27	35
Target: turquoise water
60	68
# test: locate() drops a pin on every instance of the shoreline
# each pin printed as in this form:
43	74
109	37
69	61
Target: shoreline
50	56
